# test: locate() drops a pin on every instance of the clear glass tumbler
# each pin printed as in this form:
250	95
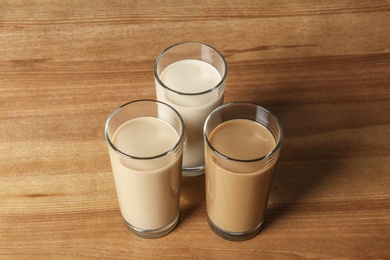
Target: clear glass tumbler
242	145
191	77
145	142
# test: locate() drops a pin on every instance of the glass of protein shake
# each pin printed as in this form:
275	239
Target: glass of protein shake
242	145
145	142
191	77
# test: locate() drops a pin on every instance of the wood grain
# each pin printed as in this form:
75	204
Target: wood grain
323	67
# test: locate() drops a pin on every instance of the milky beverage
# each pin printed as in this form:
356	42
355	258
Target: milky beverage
148	190
237	192
191	76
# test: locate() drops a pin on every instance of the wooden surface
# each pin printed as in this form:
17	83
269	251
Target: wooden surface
323	67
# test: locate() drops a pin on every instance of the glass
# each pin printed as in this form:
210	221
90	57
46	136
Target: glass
145	142
242	145
191	77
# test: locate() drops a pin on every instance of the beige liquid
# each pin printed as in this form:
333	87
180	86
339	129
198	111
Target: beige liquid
148	190
191	76
237	192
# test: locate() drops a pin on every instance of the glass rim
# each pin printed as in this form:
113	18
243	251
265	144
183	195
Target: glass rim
216	87
271	153
177	144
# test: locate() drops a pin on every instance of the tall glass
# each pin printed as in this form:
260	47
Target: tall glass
242	145
145	142
191	77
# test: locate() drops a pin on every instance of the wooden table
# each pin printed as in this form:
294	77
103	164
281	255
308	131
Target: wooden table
323	67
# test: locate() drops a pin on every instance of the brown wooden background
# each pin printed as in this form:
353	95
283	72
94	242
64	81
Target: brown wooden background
323	67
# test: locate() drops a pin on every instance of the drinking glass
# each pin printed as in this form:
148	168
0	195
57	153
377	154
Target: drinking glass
191	78
145	142
242	145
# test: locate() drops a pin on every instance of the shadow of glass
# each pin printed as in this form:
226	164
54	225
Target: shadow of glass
301	171
192	197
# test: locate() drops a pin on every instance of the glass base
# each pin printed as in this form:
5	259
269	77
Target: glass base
153	233
234	236
193	171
